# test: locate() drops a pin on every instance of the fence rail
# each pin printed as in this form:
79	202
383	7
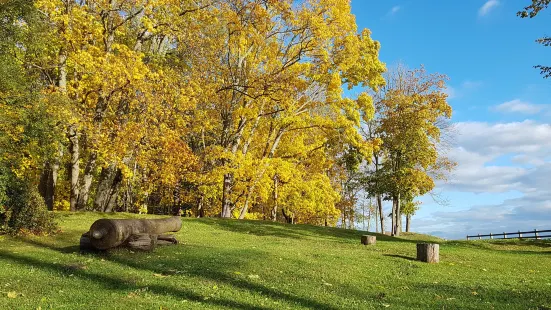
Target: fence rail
532	234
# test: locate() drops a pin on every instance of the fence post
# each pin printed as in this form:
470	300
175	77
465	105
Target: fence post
519	235
504	235
479	237
491	236
536	234
467	238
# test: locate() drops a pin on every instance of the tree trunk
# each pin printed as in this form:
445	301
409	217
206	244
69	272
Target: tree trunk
428	252
274	210
381	214
48	182
376	210
226	193
74	168
379	199
45	187
288	217
201	207
246	204
62	67
408	220
368	240
86	182
107	189
398	216
393	218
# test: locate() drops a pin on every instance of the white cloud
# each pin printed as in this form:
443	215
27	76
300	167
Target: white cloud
495	140
487	7
530	211
513	159
519	106
395	9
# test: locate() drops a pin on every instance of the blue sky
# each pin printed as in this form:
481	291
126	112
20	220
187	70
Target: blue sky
502	106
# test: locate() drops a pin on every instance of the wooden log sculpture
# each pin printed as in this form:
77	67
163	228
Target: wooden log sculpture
137	234
428	252
369	240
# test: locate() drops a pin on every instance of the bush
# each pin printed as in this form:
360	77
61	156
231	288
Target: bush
27	213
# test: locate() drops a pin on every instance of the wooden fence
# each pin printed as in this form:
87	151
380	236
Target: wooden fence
533	234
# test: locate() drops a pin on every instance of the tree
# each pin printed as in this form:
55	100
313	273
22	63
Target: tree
28	127
273	98
532	11
410	109
123	104
235	106
409	208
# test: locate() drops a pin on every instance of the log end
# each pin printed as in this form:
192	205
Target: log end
98	234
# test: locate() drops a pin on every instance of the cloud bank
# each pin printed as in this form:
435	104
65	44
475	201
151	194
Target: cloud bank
511	159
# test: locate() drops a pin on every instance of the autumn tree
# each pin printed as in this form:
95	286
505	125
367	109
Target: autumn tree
410	109
532	11
123	106
272	77
409	207
235	106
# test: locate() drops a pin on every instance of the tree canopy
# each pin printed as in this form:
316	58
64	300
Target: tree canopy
233	108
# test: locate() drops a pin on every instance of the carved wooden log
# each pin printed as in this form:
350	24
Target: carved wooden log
367	240
166	239
144	242
428	252
106	233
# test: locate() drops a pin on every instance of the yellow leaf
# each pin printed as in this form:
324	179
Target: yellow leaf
12	294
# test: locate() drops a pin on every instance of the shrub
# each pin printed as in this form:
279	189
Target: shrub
27	213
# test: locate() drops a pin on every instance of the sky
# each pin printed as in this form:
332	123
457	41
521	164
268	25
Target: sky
501	104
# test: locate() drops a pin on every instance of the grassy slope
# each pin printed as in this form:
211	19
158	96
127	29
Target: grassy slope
251	265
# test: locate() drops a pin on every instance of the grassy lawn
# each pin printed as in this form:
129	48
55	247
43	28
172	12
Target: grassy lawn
223	264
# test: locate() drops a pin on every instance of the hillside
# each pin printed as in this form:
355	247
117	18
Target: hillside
233	264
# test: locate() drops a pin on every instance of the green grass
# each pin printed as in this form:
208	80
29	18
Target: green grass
223	264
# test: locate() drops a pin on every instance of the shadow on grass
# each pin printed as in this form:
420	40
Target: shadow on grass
114	283
199	265
295	231
400	256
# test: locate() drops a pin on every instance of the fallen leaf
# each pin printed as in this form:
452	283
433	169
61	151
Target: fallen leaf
474	293
12	294
160	275
254	276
